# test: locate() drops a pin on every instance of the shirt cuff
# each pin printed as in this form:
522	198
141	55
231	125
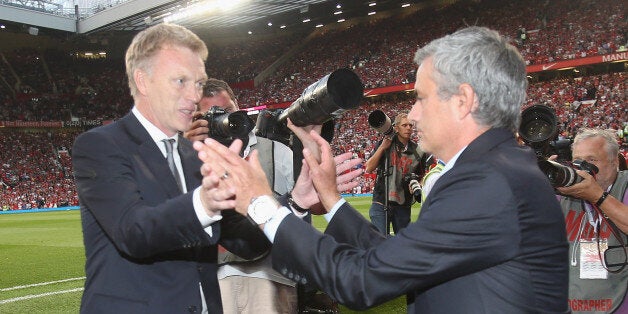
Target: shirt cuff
334	209
205	220
270	228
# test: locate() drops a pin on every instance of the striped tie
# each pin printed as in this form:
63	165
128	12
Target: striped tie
169	156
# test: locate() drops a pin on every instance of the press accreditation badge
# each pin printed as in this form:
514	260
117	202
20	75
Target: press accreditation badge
591	266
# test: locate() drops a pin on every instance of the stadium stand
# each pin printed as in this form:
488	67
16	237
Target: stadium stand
58	87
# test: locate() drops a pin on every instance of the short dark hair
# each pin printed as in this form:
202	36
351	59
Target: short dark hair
213	86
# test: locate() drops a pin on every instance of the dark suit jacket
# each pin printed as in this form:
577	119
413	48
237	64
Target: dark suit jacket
490	239
146	250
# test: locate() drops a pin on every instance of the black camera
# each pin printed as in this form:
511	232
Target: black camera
225	126
319	103
327	98
539	130
412	180
268	126
379	121
561	175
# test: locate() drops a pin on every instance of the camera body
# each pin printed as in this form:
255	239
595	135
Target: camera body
225	126
539	130
562	175
268	126
414	187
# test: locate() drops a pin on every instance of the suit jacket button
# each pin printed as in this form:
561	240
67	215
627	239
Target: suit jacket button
303	281
192	309
200	268
284	271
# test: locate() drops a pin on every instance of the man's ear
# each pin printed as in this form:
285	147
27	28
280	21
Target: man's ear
467	100
140	77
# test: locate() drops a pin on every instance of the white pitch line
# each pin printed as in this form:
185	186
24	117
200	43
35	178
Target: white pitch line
33	296
41	284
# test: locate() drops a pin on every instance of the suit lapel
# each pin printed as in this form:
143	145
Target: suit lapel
191	163
149	156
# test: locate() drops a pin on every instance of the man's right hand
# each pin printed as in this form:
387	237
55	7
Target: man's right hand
323	174
303	133
199	129
386	142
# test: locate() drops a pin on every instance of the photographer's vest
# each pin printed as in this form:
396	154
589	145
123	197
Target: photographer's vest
593	295
401	161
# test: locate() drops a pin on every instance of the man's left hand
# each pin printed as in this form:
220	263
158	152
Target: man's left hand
245	178
588	189
306	196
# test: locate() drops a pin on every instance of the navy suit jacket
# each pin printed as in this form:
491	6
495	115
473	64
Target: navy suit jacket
146	251
490	238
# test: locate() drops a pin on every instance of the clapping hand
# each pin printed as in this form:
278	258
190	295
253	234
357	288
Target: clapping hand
224	170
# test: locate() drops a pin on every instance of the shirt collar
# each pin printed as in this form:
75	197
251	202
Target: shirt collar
452	161
155	133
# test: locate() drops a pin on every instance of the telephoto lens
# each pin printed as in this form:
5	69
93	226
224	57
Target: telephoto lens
380	122
561	175
325	99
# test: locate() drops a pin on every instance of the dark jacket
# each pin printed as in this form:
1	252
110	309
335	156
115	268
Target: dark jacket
146	250
489	239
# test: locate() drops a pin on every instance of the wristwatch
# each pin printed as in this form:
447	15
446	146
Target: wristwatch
262	209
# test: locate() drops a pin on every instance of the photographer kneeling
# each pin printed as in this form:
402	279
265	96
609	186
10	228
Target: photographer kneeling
596	215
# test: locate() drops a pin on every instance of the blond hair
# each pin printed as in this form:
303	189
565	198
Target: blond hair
151	40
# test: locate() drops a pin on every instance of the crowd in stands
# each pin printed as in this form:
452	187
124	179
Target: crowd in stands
381	51
594	101
36	170
243	60
55	86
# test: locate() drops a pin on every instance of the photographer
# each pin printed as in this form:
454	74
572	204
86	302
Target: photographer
594	286
250	285
403	157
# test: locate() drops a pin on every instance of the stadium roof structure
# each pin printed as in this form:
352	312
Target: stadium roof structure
93	16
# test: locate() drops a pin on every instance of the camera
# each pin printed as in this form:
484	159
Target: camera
319	103
227	126
412	180
379	121
268	126
327	98
561	175
539	130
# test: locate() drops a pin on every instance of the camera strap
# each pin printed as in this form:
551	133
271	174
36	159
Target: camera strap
617	234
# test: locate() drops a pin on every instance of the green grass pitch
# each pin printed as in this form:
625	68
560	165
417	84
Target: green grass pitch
42	259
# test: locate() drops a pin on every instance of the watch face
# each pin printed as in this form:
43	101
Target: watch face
262	208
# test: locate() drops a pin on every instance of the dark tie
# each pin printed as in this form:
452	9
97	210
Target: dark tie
170	158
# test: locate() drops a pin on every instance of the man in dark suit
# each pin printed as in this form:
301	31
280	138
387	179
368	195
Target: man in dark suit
490	237
150	230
